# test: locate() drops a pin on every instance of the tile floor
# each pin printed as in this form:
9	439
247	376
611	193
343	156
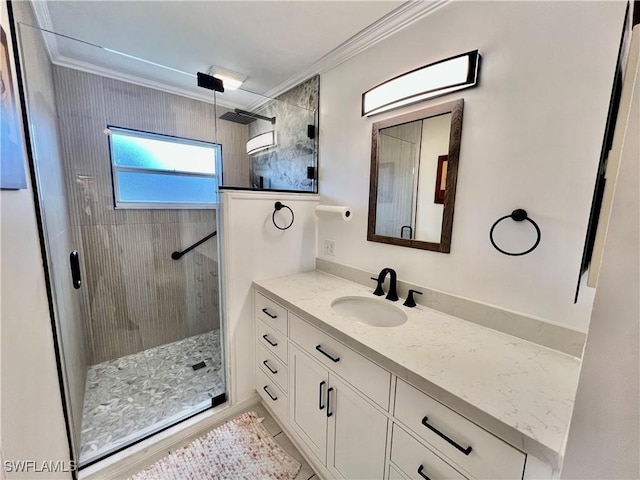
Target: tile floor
306	472
132	396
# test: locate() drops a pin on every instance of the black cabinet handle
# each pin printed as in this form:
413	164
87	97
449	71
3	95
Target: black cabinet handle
320	405
466	451
420	470
74	260
266	312
273	344
269	393
333	359
269	368
329	412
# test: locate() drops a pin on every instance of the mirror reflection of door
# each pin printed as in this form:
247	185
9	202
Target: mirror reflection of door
411	177
399	152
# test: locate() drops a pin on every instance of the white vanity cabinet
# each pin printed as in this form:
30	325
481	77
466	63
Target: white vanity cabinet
271	354
336	398
342	428
463	442
357	420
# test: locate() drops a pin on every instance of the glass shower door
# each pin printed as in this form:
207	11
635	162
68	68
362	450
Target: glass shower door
142	337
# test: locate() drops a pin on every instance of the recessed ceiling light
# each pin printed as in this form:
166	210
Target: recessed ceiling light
231	80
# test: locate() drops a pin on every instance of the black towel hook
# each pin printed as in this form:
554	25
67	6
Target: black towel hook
277	207
517	215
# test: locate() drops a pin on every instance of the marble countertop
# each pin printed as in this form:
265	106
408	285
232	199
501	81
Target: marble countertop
520	391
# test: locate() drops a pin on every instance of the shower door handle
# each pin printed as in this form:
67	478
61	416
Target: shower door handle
74	261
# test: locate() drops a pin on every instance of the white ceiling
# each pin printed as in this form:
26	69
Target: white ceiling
275	43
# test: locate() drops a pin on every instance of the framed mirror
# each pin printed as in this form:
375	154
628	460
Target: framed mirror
414	168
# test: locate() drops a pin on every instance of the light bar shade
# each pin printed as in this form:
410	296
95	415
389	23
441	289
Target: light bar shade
261	142
446	76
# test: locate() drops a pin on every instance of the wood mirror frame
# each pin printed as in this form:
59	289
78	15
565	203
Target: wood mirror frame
444	246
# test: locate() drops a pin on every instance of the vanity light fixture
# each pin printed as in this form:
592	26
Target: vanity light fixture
433	80
231	80
261	142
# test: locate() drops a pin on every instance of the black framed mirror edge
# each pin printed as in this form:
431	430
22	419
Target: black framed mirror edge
456	108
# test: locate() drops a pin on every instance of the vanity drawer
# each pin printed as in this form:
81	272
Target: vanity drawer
271	313
489	457
273	340
363	374
412	457
272	396
272	367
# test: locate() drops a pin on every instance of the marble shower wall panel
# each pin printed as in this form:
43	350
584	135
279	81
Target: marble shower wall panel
286	166
136	296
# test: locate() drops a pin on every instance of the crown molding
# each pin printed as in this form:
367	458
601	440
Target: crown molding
143	82
403	16
43	18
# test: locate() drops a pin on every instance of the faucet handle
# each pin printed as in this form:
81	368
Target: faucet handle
379	291
410	302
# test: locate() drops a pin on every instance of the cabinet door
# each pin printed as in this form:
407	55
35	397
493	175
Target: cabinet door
308	388
357	434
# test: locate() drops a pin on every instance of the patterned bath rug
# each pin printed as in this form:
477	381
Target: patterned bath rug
240	449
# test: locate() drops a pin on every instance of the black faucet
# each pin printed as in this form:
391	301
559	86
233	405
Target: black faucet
393	294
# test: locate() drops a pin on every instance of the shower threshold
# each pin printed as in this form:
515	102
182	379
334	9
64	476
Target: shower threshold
132	397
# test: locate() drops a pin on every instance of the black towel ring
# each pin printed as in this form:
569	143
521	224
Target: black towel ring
517	215
277	207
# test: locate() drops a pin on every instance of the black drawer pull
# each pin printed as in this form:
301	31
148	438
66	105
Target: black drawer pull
320	405
420	470
266	312
466	451
273	344
329	412
269	368
269	393
333	359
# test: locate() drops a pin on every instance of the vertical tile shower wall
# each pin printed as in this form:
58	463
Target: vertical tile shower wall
136	297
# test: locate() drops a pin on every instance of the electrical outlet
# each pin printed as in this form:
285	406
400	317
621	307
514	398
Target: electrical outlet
330	247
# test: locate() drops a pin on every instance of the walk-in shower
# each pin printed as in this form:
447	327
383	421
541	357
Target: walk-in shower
126	176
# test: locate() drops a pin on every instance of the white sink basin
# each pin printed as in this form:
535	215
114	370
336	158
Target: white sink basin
370	311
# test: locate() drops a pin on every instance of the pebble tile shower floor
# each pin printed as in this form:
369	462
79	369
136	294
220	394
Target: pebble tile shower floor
132	396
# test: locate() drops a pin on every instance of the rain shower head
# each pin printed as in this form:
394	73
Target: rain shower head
237	118
245	118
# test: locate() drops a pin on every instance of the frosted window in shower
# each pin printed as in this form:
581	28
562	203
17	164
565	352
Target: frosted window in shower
158	171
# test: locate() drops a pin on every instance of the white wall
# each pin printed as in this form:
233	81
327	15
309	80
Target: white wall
604	439
435	142
31	409
531	138
255	249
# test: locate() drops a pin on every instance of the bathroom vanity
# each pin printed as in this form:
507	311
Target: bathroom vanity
435	397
